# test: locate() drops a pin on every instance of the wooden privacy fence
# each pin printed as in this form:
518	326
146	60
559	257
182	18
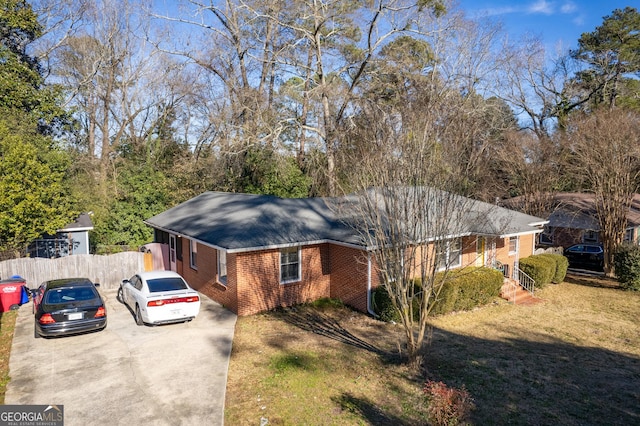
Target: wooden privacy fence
108	270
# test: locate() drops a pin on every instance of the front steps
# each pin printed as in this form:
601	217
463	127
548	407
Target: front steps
514	293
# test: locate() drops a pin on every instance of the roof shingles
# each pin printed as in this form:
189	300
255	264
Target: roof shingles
241	222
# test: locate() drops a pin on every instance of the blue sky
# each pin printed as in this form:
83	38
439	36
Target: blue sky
556	21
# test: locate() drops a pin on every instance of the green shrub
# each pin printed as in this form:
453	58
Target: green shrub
626	261
539	267
464	289
468	288
447	299
382	305
562	264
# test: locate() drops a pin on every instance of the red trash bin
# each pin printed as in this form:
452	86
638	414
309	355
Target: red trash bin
11	294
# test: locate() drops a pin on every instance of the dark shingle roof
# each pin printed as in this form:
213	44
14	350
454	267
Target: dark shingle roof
82	223
241	222
245	221
577	210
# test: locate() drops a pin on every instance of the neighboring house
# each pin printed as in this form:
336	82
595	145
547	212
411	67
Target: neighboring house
70	240
574	220
253	253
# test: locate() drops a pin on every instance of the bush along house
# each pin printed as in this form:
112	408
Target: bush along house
253	253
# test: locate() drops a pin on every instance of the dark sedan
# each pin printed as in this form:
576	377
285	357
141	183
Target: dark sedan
68	306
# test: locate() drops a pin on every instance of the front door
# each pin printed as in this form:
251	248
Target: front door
172	251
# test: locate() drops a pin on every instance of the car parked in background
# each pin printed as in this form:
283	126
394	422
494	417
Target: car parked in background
159	297
585	255
68	306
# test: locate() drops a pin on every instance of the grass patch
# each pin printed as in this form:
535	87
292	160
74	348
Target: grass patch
317	366
7	328
573	360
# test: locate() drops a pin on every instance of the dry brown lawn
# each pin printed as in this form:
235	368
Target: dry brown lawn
7	327
573	360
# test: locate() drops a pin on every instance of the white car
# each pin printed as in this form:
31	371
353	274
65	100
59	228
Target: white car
159	297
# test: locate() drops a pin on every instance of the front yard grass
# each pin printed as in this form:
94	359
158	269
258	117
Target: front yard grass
573	359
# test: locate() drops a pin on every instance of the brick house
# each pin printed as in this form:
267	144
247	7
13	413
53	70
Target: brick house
253	253
574	220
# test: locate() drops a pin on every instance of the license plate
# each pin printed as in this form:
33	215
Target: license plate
176	311
75	316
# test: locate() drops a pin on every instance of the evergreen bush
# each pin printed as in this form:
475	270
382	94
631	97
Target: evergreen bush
540	268
626	261
464	289
562	264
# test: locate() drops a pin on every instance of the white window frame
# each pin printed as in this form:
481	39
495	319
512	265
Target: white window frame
590	237
546	236
193	254
517	245
448	261
222	267
457	261
298	262
628	235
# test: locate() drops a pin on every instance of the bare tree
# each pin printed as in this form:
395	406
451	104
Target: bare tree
114	79
416	152
408	209
606	149
533	170
538	87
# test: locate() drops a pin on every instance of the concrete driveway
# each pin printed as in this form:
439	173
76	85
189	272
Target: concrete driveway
166	375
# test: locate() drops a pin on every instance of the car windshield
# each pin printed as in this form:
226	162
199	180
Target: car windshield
66	295
166	284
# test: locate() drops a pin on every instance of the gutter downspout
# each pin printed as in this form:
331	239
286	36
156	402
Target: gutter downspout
369	268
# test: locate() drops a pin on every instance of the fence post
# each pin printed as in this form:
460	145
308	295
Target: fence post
148	261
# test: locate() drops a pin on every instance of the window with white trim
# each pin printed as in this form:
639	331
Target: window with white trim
590	237
629	236
449	253
289	265
546	236
455	253
222	267
513	245
193	254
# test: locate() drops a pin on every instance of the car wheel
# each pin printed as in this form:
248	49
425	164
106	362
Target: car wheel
35	332
139	316
119	295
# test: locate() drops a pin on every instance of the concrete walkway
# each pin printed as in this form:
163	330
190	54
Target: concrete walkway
166	375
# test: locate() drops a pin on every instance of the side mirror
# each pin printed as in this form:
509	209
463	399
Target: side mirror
96	284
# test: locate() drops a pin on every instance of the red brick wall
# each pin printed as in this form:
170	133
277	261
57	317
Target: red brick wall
349	276
204	278
328	270
566	237
258	279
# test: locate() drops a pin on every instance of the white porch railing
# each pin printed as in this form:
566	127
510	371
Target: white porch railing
524	280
